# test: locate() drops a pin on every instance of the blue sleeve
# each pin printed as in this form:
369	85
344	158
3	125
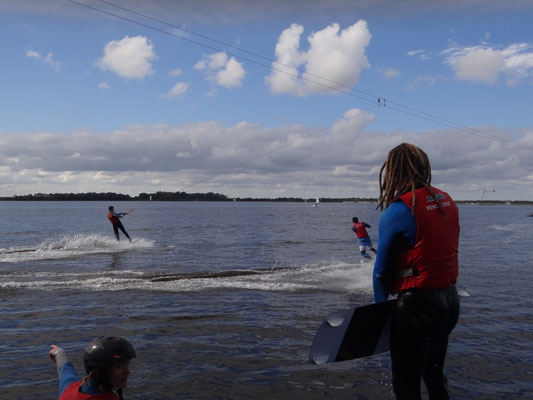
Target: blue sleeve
67	376
366	225
395	221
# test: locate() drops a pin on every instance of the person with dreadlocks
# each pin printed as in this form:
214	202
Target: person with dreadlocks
107	364
417	259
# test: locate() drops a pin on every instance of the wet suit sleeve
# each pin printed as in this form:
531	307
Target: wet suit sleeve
366	225
396	227
66	371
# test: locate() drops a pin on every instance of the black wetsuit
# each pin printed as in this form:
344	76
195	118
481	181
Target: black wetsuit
421	324
118	226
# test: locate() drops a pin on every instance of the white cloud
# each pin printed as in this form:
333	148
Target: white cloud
338	161
129	57
485	64
49	59
226	72
419	53
334	55
200	65
33	54
231	75
390	73
479	65
178	89
103	85
217	60
422	81
175	72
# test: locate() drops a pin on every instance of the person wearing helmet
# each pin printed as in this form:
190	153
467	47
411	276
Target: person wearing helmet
106	360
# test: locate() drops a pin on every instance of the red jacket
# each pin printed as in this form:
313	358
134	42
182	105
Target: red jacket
360	230
432	263
112	218
72	392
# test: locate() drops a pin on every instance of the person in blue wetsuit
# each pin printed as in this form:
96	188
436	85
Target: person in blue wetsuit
364	240
106	360
417	259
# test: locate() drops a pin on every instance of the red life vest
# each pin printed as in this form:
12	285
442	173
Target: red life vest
112	218
360	230
72	392
433	259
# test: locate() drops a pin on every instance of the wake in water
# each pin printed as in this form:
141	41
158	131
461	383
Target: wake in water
68	246
331	276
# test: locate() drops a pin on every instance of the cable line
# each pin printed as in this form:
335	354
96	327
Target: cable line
255	158
231	54
305	75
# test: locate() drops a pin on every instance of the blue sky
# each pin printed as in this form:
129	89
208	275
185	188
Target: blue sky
92	102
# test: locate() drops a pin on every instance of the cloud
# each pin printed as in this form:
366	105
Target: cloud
175	72
33	54
247	159
129	57
486	64
479	65
103	85
335	58
423	81
178	89
390	73
419	53
226	72
49	59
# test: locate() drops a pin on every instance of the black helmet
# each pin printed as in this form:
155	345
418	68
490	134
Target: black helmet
105	350
355	219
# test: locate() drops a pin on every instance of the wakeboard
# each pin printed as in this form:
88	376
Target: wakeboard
353	333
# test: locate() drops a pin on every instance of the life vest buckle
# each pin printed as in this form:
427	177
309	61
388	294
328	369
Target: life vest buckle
405	273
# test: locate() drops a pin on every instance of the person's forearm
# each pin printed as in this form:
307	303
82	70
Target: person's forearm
61	359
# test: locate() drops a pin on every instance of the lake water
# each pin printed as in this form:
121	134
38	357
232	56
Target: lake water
222	299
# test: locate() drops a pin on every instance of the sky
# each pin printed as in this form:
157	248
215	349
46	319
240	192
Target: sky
264	99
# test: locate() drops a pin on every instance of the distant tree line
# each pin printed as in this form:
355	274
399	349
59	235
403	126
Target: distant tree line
109	196
183	196
91	196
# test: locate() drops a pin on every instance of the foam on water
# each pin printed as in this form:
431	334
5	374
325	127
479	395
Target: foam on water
71	246
329	276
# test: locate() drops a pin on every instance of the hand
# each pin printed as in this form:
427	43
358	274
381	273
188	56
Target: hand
53	351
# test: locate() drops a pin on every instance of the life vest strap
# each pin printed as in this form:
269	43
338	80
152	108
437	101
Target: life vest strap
405	273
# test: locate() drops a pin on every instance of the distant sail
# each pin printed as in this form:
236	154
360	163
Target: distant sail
316	202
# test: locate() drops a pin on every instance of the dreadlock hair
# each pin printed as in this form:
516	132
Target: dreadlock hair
406	168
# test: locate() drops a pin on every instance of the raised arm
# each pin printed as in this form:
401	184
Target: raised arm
65	369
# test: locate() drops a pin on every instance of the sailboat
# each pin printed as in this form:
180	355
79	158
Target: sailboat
316	202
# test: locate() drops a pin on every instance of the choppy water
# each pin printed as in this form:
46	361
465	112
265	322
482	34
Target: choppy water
221	300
